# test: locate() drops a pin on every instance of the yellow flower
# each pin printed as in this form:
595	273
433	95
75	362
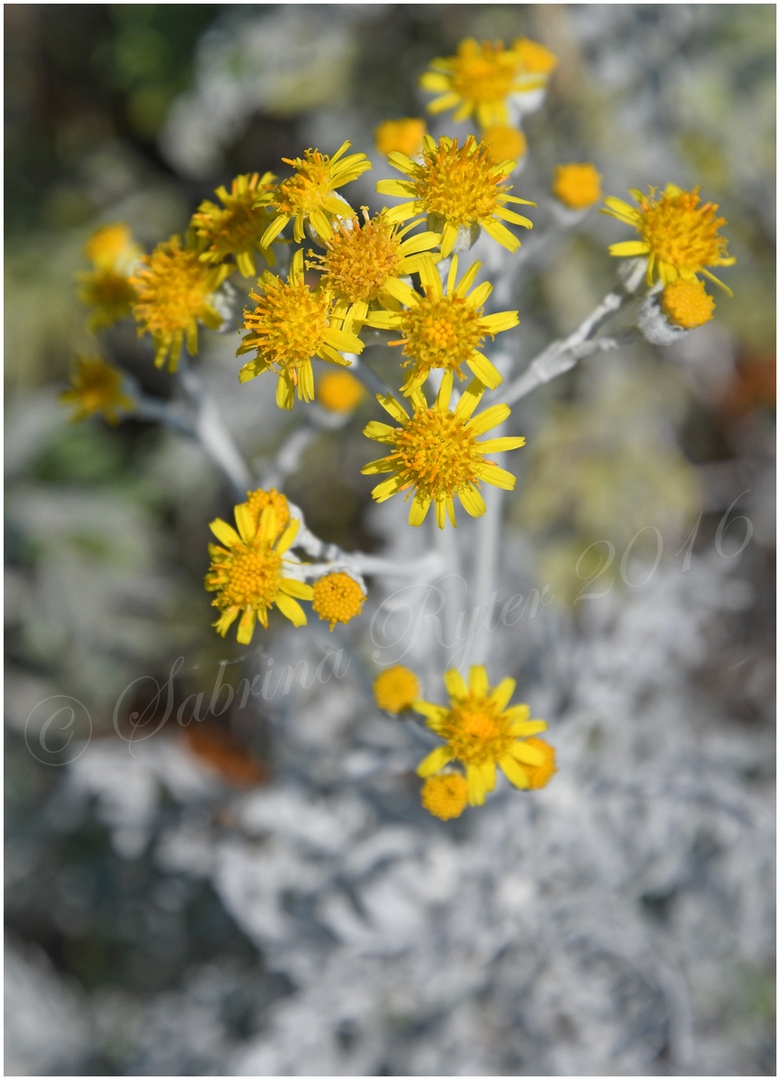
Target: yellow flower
445	796
506	143
337	598
106	287
309	193
435	454
480	79
539	776
458	188
247	572
678	236
109	292
96	388
111	246
339	392
403	135
236	228
445	330
687	303
481	732
364	265
535	58
396	689
175	291
289	326
577	186
259	499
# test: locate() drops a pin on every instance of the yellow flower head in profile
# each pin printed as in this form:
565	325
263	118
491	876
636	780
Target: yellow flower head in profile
247	572
337	598
457	187
577	186
175	292
686	303
106	287
435	454
290	326
535	58
109	293
445	329
679	237
96	387
396	689
365	264
236	228
339	392
539	776
405	135
480	732
446	795
308	195
480	79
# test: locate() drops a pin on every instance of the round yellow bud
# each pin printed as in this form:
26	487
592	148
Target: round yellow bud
445	796
506	143
339	392
396	689
404	136
577	186
686	303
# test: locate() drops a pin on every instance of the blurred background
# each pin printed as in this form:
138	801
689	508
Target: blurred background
261	892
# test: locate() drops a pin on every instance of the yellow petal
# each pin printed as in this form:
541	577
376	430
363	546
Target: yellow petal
436	760
455	684
512	771
290	608
225	533
478	680
502	694
528	754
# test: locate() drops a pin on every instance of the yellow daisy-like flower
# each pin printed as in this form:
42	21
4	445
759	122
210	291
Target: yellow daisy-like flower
290	326
396	689
337	598
403	135
175	291
445	796
96	387
679	236
435	454
481	732
362	265
257	501
457	187
247	572
480	79
339	392
577	186
236	228
309	193
445	329
687	303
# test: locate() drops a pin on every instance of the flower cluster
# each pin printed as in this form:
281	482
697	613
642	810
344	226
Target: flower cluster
346	280
480	733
